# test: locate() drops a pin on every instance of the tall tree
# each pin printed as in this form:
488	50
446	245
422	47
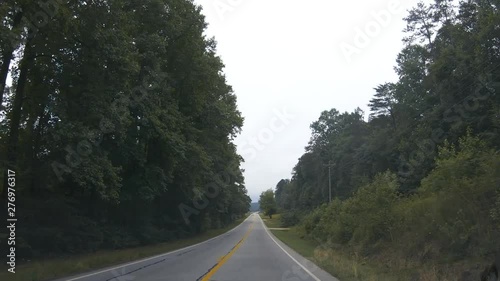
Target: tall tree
384	103
267	203
119	114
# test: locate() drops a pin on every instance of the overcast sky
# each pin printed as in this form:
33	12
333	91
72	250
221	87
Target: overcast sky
287	61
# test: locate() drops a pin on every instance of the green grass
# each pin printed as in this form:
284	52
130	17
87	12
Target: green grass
346	265
275	222
56	268
337	263
293	240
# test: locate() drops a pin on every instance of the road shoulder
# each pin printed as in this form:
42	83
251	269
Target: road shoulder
311	268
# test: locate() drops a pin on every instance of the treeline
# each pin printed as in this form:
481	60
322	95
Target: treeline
118	124
421	177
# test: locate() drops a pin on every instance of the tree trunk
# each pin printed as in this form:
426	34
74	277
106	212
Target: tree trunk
7	58
12	139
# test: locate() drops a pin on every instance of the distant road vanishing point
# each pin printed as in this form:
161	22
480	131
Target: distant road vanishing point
247	252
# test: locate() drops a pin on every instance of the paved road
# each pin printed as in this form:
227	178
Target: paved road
248	252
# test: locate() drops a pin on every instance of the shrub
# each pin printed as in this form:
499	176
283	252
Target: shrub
455	213
290	218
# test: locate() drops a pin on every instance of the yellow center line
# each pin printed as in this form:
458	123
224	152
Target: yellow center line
227	256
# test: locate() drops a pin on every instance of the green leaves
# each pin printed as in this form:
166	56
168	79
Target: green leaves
421	174
267	202
122	107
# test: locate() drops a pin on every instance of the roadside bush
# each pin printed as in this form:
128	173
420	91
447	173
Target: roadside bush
365	218
456	206
334	228
290	218
370	210
455	213
311	220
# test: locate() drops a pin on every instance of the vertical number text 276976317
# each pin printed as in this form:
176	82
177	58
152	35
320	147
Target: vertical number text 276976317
11	221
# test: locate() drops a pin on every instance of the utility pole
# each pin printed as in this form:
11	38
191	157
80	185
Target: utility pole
330	165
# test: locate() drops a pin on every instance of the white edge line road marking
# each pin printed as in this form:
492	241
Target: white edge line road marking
157	256
305	269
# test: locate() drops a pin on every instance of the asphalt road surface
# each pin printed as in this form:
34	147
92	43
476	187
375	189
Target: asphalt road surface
248	252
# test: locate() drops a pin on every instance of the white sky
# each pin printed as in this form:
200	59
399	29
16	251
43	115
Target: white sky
286	55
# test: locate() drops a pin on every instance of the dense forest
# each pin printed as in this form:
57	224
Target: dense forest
118	122
420	177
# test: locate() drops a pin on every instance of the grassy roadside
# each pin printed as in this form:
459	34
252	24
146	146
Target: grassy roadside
337	264
351	267
56	268
275	222
290	237
341	268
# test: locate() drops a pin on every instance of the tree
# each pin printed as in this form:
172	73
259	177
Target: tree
420	24
429	151
280	192
384	102
267	203
119	113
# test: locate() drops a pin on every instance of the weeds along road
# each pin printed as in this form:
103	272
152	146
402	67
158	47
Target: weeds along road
247	252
